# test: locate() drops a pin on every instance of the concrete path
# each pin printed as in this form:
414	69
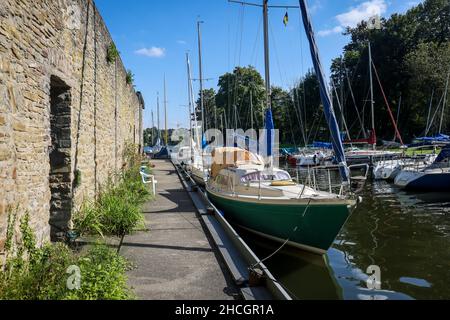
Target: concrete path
175	260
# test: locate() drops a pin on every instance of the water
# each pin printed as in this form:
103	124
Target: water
406	234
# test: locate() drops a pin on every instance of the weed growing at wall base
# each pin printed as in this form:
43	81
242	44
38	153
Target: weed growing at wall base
33	273
117	211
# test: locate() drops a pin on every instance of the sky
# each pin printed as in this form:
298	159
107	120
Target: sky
153	37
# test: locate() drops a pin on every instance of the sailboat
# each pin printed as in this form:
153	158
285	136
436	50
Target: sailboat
163	152
265	200
435	177
201	158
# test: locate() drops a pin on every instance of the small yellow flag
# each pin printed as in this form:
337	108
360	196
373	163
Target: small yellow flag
286	19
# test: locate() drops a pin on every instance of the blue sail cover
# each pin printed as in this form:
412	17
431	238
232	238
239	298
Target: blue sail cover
439	138
270	133
322	145
325	95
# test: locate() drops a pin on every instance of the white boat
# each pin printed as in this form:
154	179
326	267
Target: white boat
310	158
389	169
435	177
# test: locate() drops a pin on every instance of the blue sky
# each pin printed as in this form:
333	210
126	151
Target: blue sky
153	37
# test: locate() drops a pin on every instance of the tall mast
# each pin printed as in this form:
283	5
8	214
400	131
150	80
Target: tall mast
266	53
157	115
153	128
372	101
166	136
429	112
192	107
251	109
342	98
202	102
189	99
325	95
444	103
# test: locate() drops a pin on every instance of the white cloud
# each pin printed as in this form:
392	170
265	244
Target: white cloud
153	52
182	42
362	12
316	6
355	15
324	33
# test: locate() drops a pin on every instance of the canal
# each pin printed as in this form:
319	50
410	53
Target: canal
406	234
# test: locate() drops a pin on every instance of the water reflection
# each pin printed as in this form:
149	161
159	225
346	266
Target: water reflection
406	234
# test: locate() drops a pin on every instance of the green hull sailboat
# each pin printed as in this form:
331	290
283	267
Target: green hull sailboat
311	226
265	200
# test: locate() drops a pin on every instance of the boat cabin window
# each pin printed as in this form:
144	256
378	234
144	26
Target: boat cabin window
265	176
223	180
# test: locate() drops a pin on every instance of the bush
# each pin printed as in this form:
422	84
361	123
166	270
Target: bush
112	53
129	78
117	211
33	273
102	276
118	215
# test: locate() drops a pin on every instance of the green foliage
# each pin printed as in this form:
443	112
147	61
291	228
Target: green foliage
129	77
33	273
411	55
234	92
103	276
117	211
112	53
12	218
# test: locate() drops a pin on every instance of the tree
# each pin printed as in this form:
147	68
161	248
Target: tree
212	113
405	51
237	92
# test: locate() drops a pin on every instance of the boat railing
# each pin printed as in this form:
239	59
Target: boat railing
321	179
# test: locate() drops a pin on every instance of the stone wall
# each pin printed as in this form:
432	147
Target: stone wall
60	46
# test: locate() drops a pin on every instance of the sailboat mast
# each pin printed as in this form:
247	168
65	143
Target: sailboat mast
251	109
266	53
157	115
202	102
325	95
165	113
190	102
372	101
195	132
429	112
444	103
153	128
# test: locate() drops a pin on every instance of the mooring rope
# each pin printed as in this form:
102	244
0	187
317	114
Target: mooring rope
285	243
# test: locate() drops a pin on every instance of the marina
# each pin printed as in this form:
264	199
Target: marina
257	153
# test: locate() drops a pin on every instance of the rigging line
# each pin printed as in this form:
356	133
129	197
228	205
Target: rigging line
287	240
241	31
292	128
241	35
340	108
277	58
298	115
238	26
303	82
435	114
388	106
364	110
354	100
429	111
254	54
